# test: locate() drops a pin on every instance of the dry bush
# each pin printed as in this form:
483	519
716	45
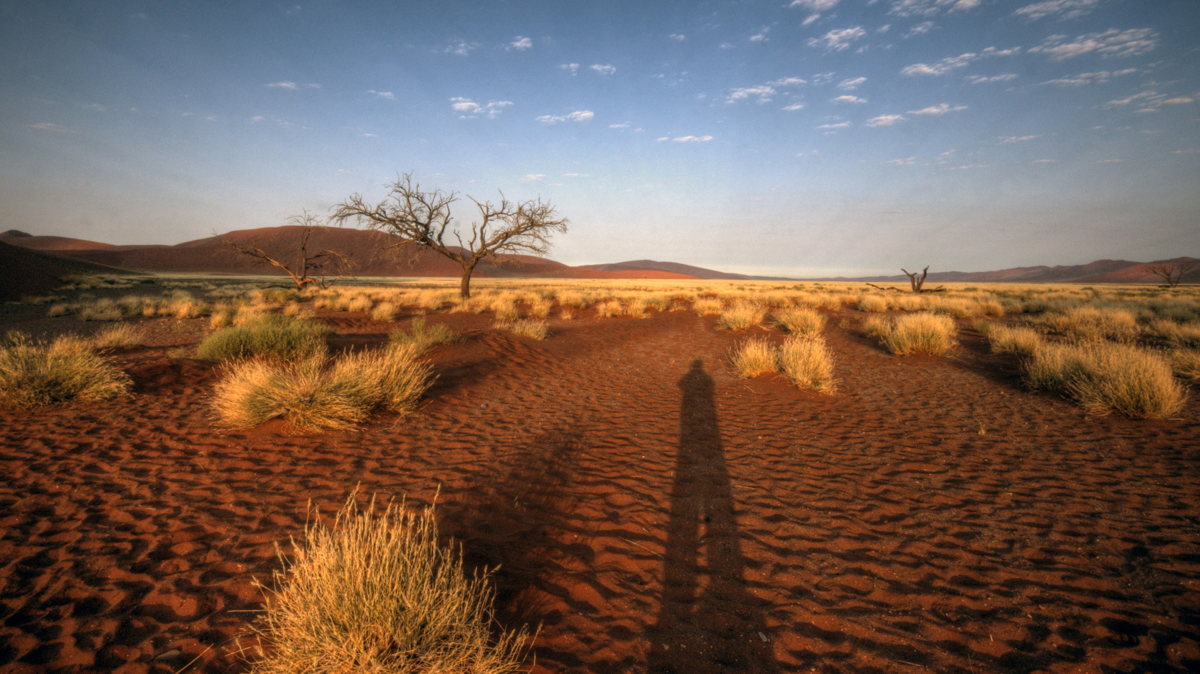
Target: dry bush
1107	377
384	311
807	362
424	338
636	307
272	337
222	316
1187	337
57	310
910	302
359	303
922	332
121	336
876	327
311	395
1021	341
609	309
527	328
66	370
740	316
754	357
708	306
800	321
380	594
1186	363
571	298
872	304
540	308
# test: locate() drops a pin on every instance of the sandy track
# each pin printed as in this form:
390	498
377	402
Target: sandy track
652	511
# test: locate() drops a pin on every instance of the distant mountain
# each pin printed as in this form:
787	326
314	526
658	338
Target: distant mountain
682	270
1100	271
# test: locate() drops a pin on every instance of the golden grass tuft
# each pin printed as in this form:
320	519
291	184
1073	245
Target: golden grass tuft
422	337
273	337
808	363
315	395
533	329
754	357
384	311
740	316
609	309
66	370
872	304
120	336
921	332
380	594
800	321
1106	377
708	306
1021	341
1186	363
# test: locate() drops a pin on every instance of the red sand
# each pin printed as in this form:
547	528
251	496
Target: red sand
650	509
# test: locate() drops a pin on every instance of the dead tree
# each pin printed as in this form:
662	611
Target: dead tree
1172	272
918	284
340	264
424	219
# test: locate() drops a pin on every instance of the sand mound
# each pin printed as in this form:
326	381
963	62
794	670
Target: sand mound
26	272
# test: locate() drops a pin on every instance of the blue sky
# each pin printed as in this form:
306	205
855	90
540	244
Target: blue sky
799	138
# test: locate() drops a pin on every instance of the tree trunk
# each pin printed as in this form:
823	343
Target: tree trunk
466	281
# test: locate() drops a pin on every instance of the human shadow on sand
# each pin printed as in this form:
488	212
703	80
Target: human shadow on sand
707	622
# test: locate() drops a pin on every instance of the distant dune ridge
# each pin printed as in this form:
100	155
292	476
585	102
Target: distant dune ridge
367	250
33	272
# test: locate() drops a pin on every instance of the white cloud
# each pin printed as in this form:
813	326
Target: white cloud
837	40
812	18
908	161
930	7
521	43
577	175
460	47
835	127
678	37
794	107
884	120
1015	139
761	36
577	116
762	92
920	29
1181	100
291	86
1126	101
787	82
48	126
570	67
851	85
984	79
849	99
1112	42
1067	9
941	67
533	177
604	69
469	108
622	125
939	109
725	45
1097	77
386	95
823	78
692	139
815	5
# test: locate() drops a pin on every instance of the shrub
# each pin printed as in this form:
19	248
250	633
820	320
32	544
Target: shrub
119	336
222	316
540	308
380	594
1021	341
272	337
1187	336
808	363
754	357
800	321
920	333
423	338
872	304
33	375
527	328
1109	377
57	310
311	395
740	316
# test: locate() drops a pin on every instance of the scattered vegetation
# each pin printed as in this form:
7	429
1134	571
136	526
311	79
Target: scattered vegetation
379	593
740	316
121	336
754	357
272	337
1108	377
422	337
65	370
1017	340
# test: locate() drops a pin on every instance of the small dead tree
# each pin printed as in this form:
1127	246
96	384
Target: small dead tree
424	219
317	262
1172	272
918	284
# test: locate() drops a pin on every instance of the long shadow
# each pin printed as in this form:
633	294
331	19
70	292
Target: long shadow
708	622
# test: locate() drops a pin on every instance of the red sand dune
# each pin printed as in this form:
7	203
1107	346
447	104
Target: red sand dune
25	272
652	511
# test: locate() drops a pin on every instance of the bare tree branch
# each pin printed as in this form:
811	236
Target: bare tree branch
1172	272
340	263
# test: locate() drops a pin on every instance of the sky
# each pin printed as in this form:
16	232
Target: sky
793	137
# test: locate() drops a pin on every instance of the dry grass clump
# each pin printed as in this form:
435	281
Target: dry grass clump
872	304
1186	363
312	394
708	306
271	337
566	314
609	309
423	338
506	311
380	594
100	310
807	362
540	308
1021	341
953	307
800	321
922	332
534	329
66	370
754	357
740	316
1107	377
1085	324
384	311
121	336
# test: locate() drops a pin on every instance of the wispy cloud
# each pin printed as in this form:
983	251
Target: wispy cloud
851	85
849	99
385	95
761	36
603	69
49	126
469	108
570	67
1015	139
814	6
622	125
939	109
794	107
1110	43
763	93
787	82
1097	77
577	116
941	67
920	29
907	161
1065	9
521	43
838	40
884	120
460	47
686	139
984	79
930	7
678	37
291	86
835	127
533	177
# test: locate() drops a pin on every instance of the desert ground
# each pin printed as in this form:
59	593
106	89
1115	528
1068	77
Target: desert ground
637	498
